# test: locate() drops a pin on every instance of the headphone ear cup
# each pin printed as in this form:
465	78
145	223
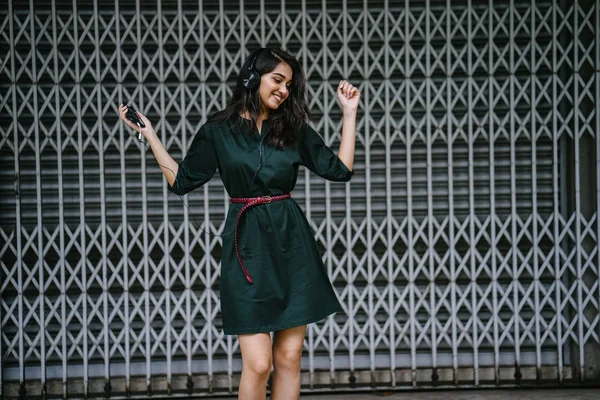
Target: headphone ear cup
251	79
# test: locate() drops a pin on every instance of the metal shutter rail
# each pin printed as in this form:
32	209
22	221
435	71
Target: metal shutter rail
465	248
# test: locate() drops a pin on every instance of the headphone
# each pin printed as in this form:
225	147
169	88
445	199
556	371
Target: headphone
251	78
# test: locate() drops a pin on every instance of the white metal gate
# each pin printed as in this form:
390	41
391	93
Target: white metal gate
464	250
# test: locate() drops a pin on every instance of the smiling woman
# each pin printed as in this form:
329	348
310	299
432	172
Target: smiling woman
272	275
271	85
274	88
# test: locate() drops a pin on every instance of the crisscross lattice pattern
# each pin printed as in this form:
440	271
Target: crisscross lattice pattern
464	250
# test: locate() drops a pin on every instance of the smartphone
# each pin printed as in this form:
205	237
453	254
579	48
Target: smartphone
133	117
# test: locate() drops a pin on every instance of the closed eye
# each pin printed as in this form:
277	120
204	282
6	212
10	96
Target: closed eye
288	86
278	80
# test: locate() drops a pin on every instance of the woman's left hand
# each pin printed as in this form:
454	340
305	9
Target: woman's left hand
348	95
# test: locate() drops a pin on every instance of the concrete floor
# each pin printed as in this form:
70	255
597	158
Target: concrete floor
491	394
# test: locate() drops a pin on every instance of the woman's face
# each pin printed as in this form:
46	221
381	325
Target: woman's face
275	87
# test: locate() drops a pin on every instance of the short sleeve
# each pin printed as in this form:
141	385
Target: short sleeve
198	166
320	159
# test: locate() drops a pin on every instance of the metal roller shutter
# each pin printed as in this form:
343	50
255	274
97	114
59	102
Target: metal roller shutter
464	250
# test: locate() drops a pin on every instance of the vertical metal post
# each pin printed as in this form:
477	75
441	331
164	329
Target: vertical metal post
493	216
451	216
389	218
351	288
557	200
597	117
329	261
578	219
283	30
145	298
186	221
17	229
534	195
369	227
409	211
82	224
586	69
185	310
472	216
430	272
39	232
230	340
105	313
263	41
166	293
124	219
513	201
63	289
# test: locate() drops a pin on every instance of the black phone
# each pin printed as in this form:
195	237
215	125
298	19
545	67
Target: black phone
133	117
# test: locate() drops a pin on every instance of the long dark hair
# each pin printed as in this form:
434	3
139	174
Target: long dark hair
287	120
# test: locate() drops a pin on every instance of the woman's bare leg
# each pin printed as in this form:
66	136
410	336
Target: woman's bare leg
287	354
256	366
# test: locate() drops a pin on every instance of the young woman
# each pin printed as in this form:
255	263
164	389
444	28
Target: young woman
272	277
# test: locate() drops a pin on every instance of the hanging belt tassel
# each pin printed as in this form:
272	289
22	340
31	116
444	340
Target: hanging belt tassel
250	202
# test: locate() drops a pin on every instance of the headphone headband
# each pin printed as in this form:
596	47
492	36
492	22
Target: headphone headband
253	60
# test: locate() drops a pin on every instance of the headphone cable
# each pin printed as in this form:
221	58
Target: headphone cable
180	196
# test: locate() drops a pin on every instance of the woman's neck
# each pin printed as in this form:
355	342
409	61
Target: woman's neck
263	116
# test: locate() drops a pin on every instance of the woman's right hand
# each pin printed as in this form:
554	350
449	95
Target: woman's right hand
147	131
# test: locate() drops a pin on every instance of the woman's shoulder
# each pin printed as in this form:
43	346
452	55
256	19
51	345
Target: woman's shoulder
307	130
212	126
216	130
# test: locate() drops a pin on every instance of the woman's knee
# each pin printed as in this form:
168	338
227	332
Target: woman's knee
256	353
258	364
286	358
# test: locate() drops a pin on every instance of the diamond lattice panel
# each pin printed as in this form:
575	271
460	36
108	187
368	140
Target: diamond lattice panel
464	250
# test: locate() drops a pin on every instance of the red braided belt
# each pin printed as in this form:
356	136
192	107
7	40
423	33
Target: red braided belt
251	202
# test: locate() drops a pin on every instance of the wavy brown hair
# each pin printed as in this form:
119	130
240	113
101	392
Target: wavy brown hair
288	119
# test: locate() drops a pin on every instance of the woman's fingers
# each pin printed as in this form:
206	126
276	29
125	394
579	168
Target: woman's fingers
143	118
342	87
347	89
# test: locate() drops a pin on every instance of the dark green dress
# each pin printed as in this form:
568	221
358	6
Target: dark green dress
277	245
